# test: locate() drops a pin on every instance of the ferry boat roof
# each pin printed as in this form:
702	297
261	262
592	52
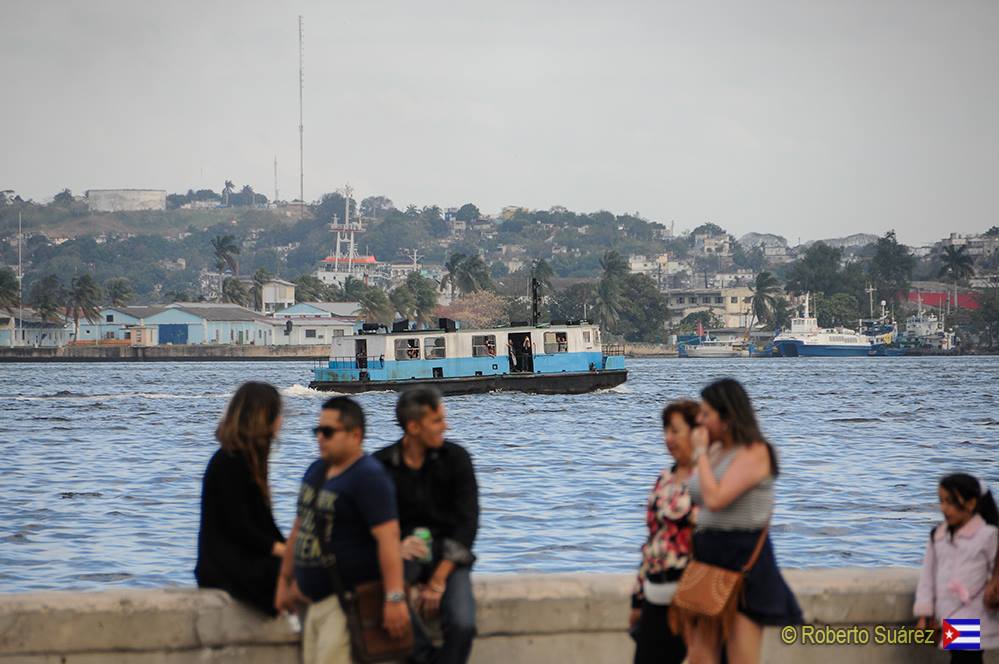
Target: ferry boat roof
372	329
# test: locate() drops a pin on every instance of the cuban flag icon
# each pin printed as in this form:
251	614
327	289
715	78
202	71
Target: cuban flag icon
962	634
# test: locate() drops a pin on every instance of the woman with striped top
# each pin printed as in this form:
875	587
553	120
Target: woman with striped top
733	483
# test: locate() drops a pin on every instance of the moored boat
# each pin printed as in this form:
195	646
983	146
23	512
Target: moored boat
566	358
807	339
716	348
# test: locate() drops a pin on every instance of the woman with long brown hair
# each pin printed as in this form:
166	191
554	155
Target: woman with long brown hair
735	468
239	545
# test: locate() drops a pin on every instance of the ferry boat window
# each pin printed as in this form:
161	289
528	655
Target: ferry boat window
556	342
407	349
586	337
484	345
433	348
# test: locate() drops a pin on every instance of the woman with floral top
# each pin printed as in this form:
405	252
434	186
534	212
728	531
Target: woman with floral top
670	518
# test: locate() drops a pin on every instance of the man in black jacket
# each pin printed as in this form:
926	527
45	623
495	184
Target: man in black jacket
436	490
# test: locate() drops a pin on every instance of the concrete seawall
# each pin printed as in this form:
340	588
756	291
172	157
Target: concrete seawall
182	353
529	619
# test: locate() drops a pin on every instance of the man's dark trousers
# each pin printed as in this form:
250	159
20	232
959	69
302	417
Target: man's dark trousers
457	616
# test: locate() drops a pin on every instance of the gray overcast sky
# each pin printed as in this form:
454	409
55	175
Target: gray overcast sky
809	119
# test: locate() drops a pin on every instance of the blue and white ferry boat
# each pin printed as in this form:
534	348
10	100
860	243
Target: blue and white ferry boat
560	358
807	339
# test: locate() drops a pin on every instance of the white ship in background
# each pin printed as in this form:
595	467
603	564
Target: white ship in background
925	330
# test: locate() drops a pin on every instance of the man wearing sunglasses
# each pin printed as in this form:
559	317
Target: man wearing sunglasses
348	500
436	489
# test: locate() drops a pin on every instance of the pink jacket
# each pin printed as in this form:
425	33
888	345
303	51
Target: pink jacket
955	572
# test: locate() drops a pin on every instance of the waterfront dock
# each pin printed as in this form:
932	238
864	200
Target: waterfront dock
528	619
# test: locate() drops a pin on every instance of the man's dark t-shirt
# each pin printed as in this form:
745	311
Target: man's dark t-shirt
342	510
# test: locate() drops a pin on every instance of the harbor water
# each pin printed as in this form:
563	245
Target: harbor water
102	463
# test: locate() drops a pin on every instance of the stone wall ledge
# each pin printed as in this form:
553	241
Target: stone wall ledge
521	617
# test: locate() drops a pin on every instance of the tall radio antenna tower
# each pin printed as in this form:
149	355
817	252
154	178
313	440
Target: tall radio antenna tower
275	181
301	126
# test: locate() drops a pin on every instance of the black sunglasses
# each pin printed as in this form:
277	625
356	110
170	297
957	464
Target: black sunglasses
327	432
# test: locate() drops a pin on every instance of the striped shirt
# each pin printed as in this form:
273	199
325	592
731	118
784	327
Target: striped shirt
750	511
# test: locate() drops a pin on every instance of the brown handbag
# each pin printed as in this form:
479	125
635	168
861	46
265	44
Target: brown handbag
363	606
708	593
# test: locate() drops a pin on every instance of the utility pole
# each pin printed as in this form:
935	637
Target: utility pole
414	255
20	280
301	126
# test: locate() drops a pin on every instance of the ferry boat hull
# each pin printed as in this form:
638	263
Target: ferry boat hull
798	348
540	383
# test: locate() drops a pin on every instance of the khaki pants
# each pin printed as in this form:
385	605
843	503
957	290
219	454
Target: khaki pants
325	639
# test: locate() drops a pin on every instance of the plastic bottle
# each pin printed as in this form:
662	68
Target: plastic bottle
428	540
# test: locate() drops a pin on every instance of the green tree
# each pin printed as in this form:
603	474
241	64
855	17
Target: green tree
614	265
891	268
709	228
376	207
467	212
227	189
837	310
403	301
643	310
817	271
225	249
119	291
9	290
63	199
424	292
987	316
707	319
543	272
310	289
234	292
572	303
781	314
956	265
47	297
466	274
260	277
375	306
83	300
766	290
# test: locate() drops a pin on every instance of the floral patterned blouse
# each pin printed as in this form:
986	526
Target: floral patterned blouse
670	517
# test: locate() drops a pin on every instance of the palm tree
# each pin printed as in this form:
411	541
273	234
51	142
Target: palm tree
613	264
83	301
425	293
454	267
226	190
234	292
260	277
543	272
375	306
765	293
10	295
475	275
249	197
956	264
119	291
404	301
47	297
225	248
608	306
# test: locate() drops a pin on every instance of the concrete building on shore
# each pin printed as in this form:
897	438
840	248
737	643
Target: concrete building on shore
125	200
24	327
732	306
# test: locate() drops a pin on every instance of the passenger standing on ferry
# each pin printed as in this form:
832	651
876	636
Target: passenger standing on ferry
239	545
733	483
669	516
436	490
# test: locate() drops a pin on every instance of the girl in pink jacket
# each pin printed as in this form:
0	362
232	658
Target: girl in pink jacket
960	562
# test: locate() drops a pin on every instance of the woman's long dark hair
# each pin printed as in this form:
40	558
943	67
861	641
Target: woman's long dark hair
962	487
729	398
247	429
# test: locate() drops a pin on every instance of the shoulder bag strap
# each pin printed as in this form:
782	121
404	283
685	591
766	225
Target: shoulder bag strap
325	546
756	551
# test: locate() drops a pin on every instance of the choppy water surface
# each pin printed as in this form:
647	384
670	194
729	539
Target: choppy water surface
102	462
